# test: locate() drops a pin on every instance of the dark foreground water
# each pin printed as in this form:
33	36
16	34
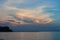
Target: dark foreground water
30	35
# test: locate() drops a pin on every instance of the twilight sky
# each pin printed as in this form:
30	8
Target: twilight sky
14	12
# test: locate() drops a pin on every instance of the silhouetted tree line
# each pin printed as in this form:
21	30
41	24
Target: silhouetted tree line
5	29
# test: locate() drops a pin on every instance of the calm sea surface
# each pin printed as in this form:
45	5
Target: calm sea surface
30	35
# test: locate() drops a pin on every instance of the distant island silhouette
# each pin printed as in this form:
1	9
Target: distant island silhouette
5	29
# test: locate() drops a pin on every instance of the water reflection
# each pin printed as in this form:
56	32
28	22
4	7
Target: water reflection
27	36
56	35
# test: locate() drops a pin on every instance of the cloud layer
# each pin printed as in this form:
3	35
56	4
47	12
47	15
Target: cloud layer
23	15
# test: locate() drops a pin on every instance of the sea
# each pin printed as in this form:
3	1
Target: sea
29	35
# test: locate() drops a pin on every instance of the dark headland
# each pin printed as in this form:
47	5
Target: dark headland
5	29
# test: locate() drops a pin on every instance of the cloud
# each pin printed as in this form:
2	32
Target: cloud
29	16
13	2
24	16
36	15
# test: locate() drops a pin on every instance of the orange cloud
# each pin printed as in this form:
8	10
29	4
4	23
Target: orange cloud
13	23
5	18
34	15
17	23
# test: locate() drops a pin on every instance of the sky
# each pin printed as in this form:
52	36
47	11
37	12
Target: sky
21	12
